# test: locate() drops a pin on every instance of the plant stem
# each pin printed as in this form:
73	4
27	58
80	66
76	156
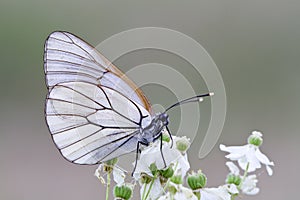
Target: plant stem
150	187
107	185
244	176
144	191
197	194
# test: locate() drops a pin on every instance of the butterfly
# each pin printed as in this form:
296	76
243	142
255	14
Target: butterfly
93	110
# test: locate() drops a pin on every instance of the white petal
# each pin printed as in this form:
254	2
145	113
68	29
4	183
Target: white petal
233	168
235	149
249	185
183	165
263	158
269	170
184	194
156	190
254	191
98	174
257	133
235	152
234	156
252	159
98	170
243	162
232	188
167	196
119	175
220	193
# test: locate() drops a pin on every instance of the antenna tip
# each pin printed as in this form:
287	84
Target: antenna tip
211	94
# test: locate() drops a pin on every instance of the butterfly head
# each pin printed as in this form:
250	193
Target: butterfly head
164	118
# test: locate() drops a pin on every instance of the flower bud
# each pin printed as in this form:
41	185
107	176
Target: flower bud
167	173
183	144
153	169
196	180
109	165
165	138
233	179
172	189
122	192
176	179
112	162
145	178
255	138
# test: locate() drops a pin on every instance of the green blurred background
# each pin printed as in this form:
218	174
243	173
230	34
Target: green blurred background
255	44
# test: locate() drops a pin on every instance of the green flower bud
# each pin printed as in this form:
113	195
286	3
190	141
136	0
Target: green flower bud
109	165
122	192
172	189
165	138
196	180
167	173
255	140
233	179
145	178
153	169
183	144
176	179
112	162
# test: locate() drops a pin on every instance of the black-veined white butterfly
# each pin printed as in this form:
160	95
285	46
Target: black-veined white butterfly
93	111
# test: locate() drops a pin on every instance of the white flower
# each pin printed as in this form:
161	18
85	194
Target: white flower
221	193
118	174
249	185
248	154
152	154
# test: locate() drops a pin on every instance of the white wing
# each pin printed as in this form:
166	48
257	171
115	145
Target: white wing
93	112
69	58
90	124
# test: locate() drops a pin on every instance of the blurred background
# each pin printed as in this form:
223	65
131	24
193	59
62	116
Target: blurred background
255	45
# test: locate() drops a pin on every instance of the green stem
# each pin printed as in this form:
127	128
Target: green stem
197	194
172	197
233	196
150	187
144	191
107	185
244	176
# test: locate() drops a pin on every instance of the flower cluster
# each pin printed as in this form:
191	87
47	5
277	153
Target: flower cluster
165	176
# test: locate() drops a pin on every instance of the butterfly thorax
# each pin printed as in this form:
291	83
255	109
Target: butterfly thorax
151	132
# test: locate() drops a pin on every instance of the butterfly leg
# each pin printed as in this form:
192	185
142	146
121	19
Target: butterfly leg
170	136
161	152
136	156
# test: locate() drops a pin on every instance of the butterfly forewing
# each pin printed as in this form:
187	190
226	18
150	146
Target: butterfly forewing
69	58
93	111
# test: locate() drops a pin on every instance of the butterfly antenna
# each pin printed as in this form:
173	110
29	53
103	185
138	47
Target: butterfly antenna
189	100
